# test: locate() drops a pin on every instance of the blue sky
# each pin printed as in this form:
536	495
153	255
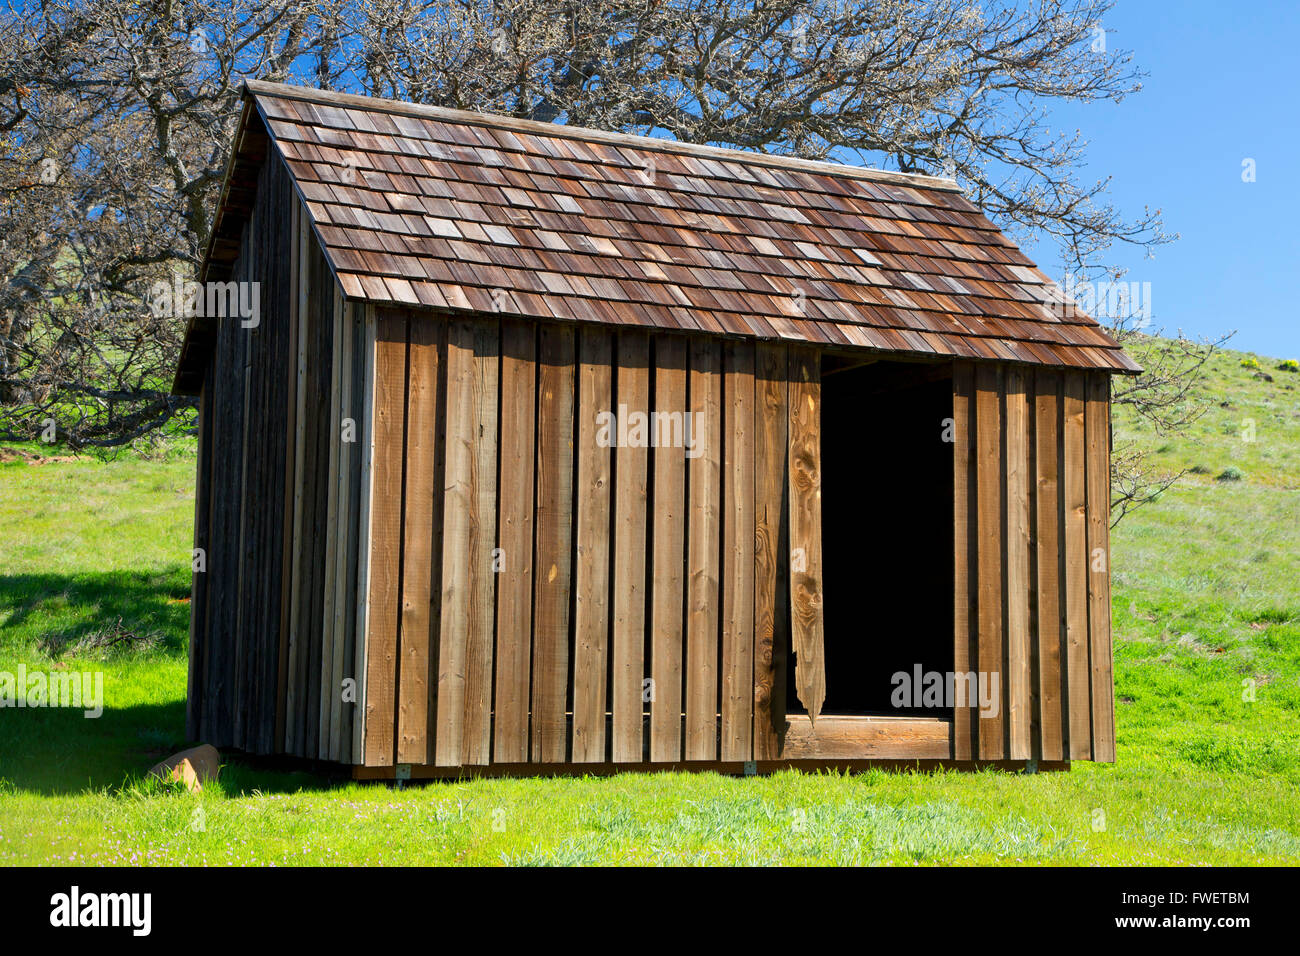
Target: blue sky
1224	85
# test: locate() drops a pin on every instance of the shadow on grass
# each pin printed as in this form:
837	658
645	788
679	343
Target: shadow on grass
58	750
53	750
134	626
96	612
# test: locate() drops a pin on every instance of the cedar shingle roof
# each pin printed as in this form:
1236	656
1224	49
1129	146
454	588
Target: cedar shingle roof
423	206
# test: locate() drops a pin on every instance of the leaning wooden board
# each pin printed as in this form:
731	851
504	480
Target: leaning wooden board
806	530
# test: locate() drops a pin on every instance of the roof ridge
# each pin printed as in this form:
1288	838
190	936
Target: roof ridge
494	120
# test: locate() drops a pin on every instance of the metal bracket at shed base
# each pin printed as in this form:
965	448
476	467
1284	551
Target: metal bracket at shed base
1031	765
751	768
401	773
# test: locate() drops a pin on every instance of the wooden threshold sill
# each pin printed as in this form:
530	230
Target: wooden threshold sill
867	738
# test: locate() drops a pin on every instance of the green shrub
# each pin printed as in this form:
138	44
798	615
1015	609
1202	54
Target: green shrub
1231	473
1249	363
1289	365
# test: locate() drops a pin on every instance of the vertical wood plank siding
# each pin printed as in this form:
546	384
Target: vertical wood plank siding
198	578
292	470
1016	573
320	401
1097	425
990	482
237	626
1032	475
279	504
294	727
738	552
553	530
331	532
1051	626
469	538
641	530
771	545
702	433
1074	594
423	511
515	539
384	574
591	571
497	541
631	523
668	537
965	653
367	333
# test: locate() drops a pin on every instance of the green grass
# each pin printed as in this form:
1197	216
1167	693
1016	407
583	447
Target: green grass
1205	598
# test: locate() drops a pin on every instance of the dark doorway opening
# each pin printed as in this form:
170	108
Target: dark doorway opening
887	534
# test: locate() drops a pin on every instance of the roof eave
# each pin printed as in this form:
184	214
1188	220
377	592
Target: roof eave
188	379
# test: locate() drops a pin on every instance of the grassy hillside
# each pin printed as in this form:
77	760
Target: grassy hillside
94	575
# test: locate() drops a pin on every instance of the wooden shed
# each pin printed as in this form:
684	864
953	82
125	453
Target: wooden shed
563	450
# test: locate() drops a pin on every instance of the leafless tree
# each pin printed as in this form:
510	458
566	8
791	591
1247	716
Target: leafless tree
133	102
1164	396
115	118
